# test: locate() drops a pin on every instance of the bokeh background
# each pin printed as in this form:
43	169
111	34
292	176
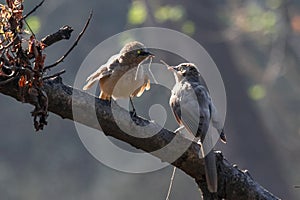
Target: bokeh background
256	46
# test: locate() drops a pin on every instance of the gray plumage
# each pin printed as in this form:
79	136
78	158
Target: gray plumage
192	107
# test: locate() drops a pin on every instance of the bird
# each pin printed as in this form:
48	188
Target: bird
194	110
121	76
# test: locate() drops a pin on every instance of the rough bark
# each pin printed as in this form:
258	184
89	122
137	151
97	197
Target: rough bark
233	183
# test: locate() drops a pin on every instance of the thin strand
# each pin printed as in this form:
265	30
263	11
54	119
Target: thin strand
54	75
149	68
73	46
33	10
137	71
171	183
31	31
163	62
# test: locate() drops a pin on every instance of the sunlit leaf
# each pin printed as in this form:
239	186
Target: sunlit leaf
257	92
171	13
188	27
254	18
176	13
161	14
137	13
34	23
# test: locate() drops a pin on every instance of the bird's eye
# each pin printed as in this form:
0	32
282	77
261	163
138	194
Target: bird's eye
139	52
183	70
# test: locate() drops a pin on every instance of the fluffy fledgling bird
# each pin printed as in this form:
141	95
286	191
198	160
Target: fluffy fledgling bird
121	76
193	108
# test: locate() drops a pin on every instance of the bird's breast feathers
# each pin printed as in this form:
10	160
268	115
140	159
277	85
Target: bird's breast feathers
128	83
191	97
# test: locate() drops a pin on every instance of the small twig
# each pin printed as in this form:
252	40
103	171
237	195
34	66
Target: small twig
171	183
9	44
54	75
73	46
150	71
31	31
33	10
163	62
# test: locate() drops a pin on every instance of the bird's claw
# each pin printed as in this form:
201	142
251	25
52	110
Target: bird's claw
222	136
133	113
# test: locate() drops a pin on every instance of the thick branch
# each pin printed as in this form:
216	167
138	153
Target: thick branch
63	33
232	182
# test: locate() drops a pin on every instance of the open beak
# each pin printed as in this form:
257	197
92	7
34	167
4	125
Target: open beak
146	53
171	68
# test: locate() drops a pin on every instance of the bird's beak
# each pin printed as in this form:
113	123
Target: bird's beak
172	68
146	53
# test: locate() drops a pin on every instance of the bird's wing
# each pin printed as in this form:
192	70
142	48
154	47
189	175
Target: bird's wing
191	109
195	110
175	106
217	123
103	71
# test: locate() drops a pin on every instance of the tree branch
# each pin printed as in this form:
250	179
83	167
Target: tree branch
73	46
33	10
63	33
233	183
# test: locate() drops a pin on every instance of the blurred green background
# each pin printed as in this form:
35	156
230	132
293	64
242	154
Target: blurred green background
255	44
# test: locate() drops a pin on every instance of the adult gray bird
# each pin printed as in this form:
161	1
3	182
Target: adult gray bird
121	76
194	109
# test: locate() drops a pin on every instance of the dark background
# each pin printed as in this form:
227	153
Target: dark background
255	44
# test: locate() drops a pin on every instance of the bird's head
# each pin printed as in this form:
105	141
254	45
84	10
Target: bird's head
135	52
184	70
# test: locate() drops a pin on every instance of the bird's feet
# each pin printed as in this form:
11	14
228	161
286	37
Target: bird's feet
222	136
133	113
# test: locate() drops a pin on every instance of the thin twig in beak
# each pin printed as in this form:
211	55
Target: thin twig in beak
150	71
169	67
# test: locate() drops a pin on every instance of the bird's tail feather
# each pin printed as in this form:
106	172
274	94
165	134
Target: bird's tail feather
210	163
211	172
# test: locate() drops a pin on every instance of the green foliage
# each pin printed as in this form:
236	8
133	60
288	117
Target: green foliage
137	13
188	27
260	20
35	23
257	92
255	18
171	13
